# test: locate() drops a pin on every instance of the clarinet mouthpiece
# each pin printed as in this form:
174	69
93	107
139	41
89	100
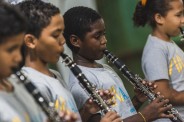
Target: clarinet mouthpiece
182	34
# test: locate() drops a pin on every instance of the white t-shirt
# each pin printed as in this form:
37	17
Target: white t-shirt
19	106
53	89
103	78
164	60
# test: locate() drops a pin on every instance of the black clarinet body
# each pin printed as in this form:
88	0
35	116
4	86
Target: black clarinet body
46	106
135	80
85	84
182	34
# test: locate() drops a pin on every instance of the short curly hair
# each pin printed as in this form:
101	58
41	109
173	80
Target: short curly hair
38	14
78	21
11	21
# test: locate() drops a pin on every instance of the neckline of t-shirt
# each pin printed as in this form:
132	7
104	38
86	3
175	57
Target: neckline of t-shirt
32	69
10	93
97	69
158	39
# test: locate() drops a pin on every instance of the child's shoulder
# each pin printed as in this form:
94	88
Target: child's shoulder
154	43
59	77
55	72
106	66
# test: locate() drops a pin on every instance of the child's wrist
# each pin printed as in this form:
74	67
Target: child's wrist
142	116
137	100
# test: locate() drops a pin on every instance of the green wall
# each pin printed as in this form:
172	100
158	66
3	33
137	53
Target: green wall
122	36
124	39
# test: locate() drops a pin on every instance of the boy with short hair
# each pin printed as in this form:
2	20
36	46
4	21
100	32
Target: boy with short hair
16	104
44	43
85	36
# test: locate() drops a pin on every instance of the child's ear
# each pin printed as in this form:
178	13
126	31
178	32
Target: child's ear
30	41
159	18
75	41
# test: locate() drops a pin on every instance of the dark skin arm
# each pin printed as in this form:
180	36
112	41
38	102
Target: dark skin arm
136	103
85	114
108	117
153	111
175	97
139	97
134	118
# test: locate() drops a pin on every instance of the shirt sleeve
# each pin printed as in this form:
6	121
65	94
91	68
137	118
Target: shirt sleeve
79	91
155	65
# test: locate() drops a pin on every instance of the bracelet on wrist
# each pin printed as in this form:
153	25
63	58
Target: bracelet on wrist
142	116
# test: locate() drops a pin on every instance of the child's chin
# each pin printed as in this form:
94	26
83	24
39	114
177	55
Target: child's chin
54	61
7	74
100	57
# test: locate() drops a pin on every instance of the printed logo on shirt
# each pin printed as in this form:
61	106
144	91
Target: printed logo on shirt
27	117
118	94
123	94
61	105
73	107
17	119
177	63
132	110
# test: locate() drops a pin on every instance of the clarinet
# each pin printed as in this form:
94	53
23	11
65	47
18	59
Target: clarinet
85	84
137	82
182	34
46	106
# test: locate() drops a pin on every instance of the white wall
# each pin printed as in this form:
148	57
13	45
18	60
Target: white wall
64	5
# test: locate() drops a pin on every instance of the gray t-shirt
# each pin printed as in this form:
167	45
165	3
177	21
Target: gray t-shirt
19	106
53	89
103	78
164	60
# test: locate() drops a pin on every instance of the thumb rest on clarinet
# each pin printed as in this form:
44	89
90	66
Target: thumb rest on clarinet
46	106
137	82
